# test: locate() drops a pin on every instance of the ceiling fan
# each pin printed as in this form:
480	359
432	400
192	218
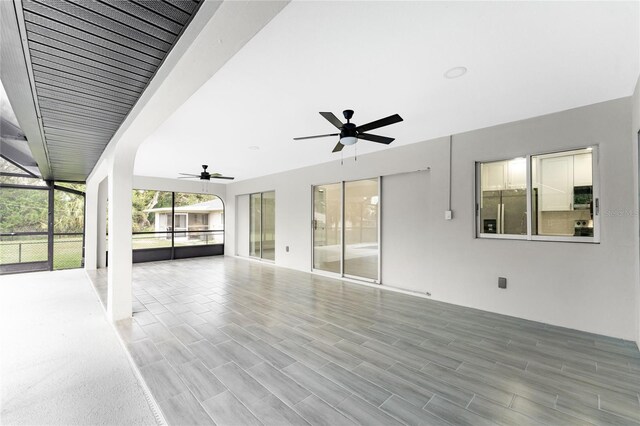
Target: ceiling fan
204	175
350	133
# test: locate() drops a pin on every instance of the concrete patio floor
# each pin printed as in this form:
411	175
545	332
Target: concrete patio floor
60	359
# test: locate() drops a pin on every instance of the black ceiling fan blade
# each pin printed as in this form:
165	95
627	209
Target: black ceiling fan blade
188	174
392	119
317	136
331	118
375	138
338	147
189	177
222	177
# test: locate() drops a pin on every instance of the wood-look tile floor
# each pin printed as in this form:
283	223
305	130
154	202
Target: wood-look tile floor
233	342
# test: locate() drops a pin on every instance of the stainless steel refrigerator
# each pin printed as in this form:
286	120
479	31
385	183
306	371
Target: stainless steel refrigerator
504	212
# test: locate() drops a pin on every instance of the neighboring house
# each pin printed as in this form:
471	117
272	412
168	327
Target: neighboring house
205	216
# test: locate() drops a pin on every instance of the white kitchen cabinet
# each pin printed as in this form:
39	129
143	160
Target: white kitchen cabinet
556	183
582	170
493	176
517	173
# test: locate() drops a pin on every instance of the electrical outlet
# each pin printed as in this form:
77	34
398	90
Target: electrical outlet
448	215
502	282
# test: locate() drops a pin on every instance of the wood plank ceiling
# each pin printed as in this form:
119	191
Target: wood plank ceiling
91	61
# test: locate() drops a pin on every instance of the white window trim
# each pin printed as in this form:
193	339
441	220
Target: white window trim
597	208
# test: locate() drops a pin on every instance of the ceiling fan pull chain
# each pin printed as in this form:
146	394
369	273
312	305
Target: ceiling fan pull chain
356	156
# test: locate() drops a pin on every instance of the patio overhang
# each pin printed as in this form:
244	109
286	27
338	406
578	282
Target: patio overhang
74	71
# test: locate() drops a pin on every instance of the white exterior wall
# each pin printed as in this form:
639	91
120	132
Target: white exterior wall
216	220
242	229
591	287
635	142
405	214
160	221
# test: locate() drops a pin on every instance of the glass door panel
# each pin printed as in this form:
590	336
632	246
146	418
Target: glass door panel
268	225
255	228
327	227
361	228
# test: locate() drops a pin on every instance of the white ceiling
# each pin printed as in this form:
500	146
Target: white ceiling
525	59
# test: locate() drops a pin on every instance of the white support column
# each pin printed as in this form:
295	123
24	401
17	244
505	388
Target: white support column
101	231
91	226
95	247
119	295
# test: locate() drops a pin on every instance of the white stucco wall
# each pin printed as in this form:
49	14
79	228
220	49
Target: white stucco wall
635	142
241	221
591	287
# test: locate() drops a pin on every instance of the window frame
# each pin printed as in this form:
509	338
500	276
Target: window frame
597	207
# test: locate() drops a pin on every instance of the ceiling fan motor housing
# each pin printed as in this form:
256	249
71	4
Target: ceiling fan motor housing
205	175
348	134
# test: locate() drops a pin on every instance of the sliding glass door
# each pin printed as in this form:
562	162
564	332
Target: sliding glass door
361	229
346	228
262	225
268	225
255	225
327	227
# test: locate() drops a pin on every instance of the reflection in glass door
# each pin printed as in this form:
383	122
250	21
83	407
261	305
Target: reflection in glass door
262	226
255	225
327	227
353	249
361	228
268	225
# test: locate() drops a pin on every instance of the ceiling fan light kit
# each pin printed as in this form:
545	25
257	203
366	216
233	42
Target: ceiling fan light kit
348	140
350	133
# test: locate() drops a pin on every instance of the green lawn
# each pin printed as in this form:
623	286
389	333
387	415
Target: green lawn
67	252
142	241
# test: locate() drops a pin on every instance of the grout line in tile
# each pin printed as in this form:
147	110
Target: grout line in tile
470	401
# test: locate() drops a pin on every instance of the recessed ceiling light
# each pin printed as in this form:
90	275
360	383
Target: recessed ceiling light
455	72
254	147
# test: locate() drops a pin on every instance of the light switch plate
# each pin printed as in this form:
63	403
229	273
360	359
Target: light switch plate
448	215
